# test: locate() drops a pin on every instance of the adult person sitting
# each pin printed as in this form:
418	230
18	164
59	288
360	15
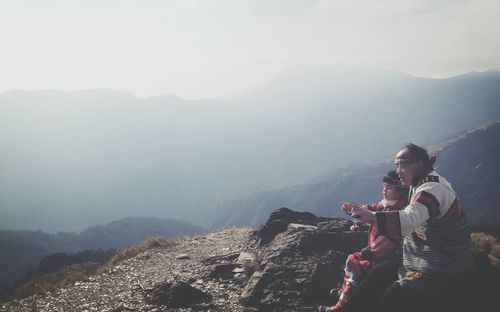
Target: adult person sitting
436	240
379	248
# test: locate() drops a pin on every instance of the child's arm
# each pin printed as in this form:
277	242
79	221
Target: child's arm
372	207
348	207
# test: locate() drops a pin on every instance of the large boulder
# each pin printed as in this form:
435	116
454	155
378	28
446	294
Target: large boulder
279	221
299	262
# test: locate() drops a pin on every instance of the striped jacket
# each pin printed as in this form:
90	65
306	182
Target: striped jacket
433	227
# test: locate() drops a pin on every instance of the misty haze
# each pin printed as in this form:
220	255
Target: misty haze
261	96
72	160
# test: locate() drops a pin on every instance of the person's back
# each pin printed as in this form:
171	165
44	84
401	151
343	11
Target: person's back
441	245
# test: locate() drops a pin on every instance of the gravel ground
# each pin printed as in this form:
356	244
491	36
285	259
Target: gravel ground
125	287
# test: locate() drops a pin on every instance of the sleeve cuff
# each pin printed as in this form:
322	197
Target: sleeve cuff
389	225
366	253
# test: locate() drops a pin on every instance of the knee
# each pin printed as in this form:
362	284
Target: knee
393	299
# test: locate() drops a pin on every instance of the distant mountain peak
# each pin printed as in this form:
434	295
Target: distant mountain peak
165	98
103	92
438	146
490	73
86	93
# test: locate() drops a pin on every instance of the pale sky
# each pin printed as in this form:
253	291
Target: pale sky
216	48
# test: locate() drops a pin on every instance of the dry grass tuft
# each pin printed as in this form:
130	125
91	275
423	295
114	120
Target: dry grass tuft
483	242
487	244
495	250
134	250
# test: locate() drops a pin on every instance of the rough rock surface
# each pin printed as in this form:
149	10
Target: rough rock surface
300	265
279	221
229	270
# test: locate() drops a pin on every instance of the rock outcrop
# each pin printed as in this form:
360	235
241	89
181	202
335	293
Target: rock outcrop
300	262
279	221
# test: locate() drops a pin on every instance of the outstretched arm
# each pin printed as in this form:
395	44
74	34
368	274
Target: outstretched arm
359	212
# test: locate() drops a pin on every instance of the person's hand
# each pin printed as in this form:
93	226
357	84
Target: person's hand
358	212
347	207
363	214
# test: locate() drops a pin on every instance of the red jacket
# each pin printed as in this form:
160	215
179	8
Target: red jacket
380	246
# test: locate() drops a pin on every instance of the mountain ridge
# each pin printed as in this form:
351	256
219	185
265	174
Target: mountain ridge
285	72
470	156
113	157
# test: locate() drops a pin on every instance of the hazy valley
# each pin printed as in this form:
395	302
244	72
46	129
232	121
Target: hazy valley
72	160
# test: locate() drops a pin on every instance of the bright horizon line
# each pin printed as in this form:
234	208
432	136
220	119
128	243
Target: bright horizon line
233	94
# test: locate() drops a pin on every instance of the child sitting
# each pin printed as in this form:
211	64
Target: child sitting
378	248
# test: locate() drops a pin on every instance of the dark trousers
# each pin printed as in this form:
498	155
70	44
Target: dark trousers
465	293
373	286
395	299
379	292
